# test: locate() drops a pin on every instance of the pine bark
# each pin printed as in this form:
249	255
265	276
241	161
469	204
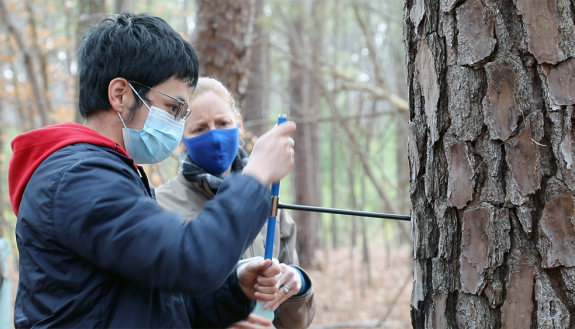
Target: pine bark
491	150
223	39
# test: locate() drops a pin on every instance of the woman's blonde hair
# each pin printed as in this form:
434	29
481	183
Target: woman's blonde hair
215	86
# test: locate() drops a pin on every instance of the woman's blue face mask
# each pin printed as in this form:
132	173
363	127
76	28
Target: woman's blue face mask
215	150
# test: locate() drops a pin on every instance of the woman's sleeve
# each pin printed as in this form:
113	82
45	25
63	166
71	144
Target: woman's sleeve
288	236
297	311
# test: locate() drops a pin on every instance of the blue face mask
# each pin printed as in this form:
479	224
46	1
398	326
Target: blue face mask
158	138
215	150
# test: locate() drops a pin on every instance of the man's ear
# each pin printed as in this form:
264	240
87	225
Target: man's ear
183	146
241	125
120	94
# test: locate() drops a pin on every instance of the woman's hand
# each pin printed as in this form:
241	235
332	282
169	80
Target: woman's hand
253	322
291	279
260	279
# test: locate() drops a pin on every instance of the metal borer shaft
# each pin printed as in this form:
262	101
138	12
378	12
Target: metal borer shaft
344	212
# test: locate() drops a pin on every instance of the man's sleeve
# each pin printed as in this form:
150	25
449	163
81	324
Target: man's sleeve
113	224
221	308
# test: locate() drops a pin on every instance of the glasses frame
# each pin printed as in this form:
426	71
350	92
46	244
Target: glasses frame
181	102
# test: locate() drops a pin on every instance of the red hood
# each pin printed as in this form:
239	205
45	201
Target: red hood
31	148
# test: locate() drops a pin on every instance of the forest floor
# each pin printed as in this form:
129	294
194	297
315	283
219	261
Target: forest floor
344	299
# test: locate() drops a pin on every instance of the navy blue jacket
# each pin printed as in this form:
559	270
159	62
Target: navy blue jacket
97	251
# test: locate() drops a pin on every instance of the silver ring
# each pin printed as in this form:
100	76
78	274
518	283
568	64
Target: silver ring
286	289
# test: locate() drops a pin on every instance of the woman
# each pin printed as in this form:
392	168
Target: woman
211	151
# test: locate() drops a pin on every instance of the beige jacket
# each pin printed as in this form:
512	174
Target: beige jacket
188	198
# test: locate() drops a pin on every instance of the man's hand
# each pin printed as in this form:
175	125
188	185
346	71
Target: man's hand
273	155
292	280
253	321
259	280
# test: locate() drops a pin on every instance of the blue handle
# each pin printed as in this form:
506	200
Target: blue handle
270	234
269	251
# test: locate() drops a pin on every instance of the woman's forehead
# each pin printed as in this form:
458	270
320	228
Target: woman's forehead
210	102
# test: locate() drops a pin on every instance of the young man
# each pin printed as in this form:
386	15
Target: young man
95	248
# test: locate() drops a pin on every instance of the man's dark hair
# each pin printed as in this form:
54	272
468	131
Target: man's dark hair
137	47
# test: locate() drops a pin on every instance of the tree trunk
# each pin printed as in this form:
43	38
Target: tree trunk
223	39
305	173
255	108
352	195
89	12
332	169
365	259
24	111
491	150
40	54
121	6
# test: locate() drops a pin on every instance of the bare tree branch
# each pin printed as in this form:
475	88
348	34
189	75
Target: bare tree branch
361	153
369	43
351	83
28	62
379	75
42	56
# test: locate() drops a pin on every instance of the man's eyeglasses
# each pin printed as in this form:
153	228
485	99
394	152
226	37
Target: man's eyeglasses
180	113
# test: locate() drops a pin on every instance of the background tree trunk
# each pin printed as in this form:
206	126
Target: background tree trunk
121	6
223	39
332	169
24	112
491	95
255	108
304	98
89	12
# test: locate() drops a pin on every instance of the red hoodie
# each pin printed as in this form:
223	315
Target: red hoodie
32	148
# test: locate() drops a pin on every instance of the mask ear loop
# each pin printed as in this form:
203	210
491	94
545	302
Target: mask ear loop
140	97
121	119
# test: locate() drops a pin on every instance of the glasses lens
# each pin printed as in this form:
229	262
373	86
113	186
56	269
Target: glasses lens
179	114
186	114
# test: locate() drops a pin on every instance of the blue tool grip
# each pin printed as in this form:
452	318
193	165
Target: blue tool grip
269	251
270	234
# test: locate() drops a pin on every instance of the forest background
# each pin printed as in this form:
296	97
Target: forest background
335	67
